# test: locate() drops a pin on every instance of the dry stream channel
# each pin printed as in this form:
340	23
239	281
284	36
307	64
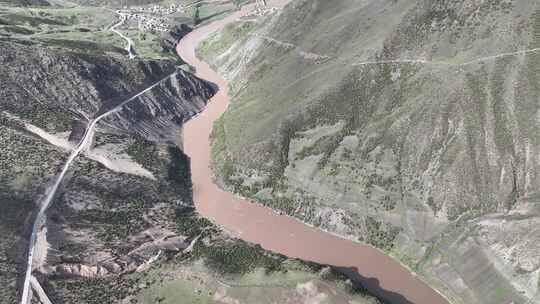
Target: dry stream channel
379	273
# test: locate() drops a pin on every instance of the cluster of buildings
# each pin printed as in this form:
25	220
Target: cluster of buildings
147	23
151	18
157	9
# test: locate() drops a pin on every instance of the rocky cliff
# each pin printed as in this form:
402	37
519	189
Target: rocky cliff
171	38
38	82
409	125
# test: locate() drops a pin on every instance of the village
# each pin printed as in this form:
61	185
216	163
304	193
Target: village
149	19
155	18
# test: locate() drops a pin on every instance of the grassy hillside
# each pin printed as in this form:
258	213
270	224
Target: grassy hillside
409	125
77	29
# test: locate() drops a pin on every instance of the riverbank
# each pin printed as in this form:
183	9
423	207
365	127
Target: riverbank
379	273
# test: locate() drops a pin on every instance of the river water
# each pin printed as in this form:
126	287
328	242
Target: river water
379	273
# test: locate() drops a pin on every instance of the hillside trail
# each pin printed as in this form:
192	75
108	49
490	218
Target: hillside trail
442	62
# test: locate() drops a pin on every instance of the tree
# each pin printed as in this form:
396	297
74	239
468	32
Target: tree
196	16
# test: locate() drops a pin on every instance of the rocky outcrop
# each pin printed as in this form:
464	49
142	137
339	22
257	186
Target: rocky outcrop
159	114
170	39
78	270
50	89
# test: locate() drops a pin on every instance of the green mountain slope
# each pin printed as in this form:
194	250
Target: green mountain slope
409	125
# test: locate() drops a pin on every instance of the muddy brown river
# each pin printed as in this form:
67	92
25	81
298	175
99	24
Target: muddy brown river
252	222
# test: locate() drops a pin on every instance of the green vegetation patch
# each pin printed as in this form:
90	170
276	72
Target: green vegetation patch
148	44
83	46
190	224
25	164
143	152
14	209
83	30
171	292
380	235
239	257
200	284
94	291
118	224
55	19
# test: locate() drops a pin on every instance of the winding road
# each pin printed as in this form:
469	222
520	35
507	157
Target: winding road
39	222
123	18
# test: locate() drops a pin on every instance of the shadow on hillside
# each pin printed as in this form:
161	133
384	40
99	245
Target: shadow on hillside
373	286
214	87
